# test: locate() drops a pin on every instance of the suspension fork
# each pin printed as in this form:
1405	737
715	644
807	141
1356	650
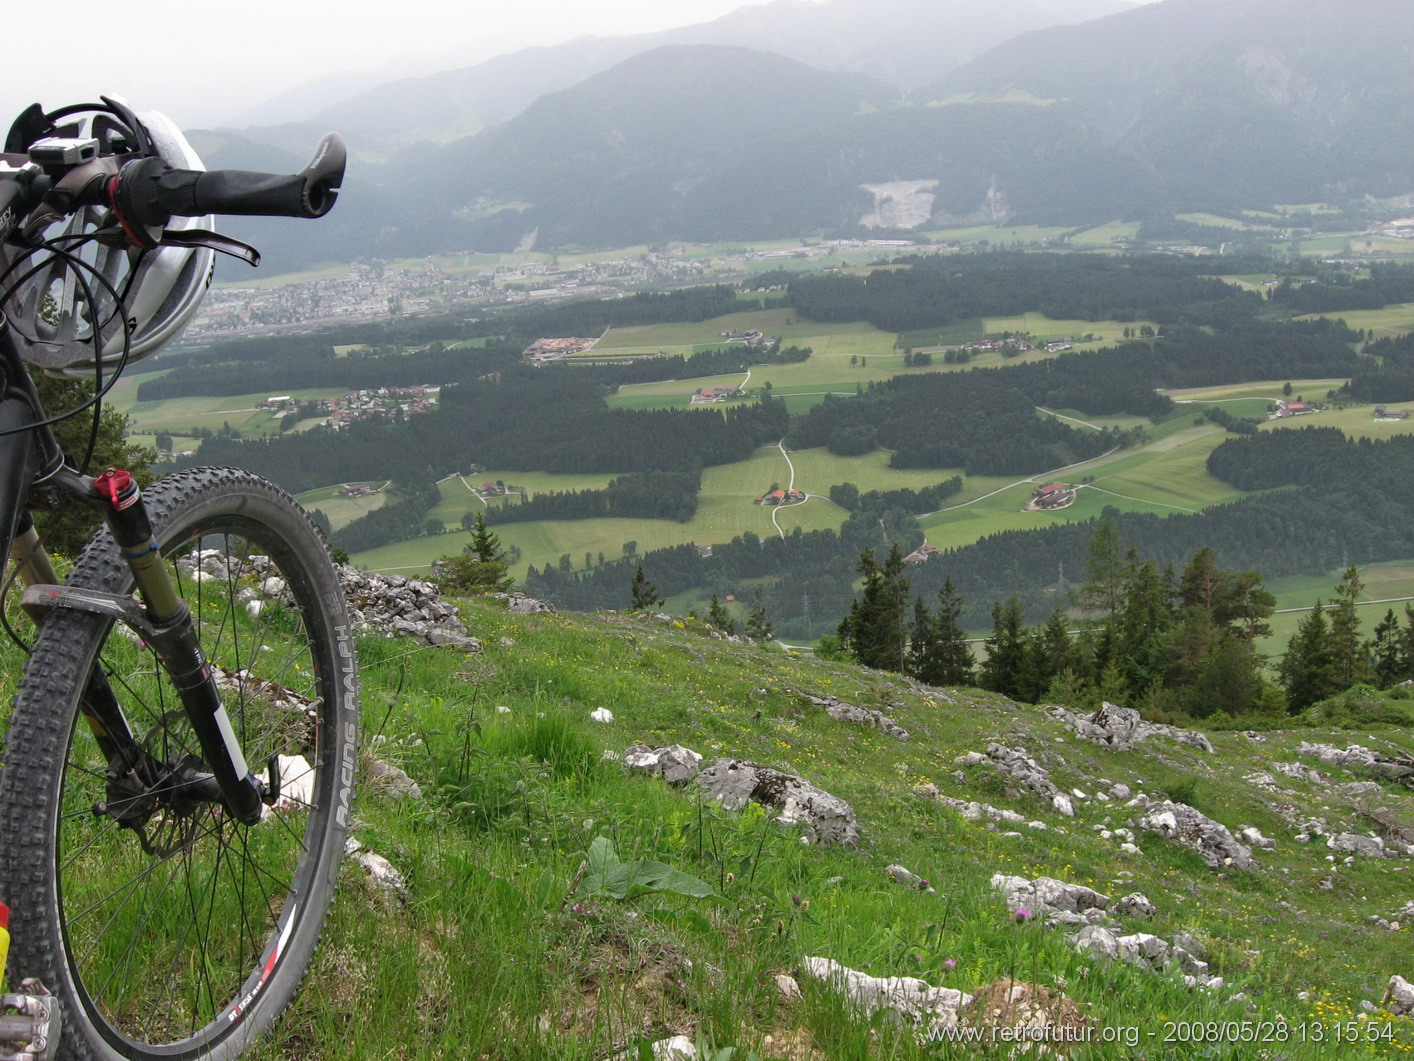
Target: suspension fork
171	631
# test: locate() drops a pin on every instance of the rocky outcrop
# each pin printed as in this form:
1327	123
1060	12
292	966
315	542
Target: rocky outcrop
1357	844
393	605
825	818
931	1009
1193	829
973	811
1354	757
1020	767
674	764
1399	996
1052	900
1122	728
841	711
1146	951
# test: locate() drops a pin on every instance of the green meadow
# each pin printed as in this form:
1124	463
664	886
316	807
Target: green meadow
241	411
1393	320
726	508
342	510
1105	235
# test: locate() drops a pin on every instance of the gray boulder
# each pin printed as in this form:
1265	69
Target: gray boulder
1122	728
1021	768
913	1001
1051	899
674	764
1399	996
825	818
1193	829
1357	844
841	711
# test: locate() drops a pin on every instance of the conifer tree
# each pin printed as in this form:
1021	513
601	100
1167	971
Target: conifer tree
1346	648
956	664
1308	670
643	595
758	626
719	619
1386	651
875	631
1005	670
481	567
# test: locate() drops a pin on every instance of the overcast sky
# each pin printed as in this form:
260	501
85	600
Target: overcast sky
204	62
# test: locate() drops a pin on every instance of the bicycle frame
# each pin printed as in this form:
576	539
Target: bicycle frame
31	466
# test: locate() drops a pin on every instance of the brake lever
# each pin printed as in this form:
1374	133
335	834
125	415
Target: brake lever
200	237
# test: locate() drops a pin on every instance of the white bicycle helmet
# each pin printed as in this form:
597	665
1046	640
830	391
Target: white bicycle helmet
54	316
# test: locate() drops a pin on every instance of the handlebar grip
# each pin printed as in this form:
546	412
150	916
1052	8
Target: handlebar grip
149	191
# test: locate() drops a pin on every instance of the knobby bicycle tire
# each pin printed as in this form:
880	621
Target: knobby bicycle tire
187	936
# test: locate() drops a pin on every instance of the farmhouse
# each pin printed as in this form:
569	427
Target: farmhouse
1285	408
543	351
1052	495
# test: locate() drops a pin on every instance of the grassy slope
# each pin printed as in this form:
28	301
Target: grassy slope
493	955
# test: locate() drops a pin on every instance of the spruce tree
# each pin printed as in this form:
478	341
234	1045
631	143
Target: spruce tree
1308	670
956	663
718	618
481	567
643	595
1005	670
758	626
1347	650
875	630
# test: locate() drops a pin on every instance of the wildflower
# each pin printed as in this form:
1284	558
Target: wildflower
1021	914
951	963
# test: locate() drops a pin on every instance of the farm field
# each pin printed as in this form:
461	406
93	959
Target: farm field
998	235
1269	389
1105	235
458	498
343	510
1357	421
1042	327
1394	320
1218	221
241	411
1384	582
169	414
725	509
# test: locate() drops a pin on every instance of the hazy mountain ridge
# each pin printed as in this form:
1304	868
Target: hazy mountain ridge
904	42
1180	104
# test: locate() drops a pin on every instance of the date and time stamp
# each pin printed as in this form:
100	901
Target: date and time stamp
1273	1032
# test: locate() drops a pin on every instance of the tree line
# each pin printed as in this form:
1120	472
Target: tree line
1175	645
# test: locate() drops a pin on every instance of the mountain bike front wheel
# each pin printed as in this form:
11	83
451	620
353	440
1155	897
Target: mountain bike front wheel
168	928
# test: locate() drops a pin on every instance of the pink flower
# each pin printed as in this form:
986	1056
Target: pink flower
1021	914
949	964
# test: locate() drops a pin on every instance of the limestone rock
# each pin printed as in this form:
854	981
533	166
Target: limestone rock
914	1001
674	764
1135	904
1193	829
391	780
1020	767
1123	728
1399	996
1047	896
736	782
1355	843
841	711
908	879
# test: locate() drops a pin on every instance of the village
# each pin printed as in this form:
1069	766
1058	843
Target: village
338	413
377	290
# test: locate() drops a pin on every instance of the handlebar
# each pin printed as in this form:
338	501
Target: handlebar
149	191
